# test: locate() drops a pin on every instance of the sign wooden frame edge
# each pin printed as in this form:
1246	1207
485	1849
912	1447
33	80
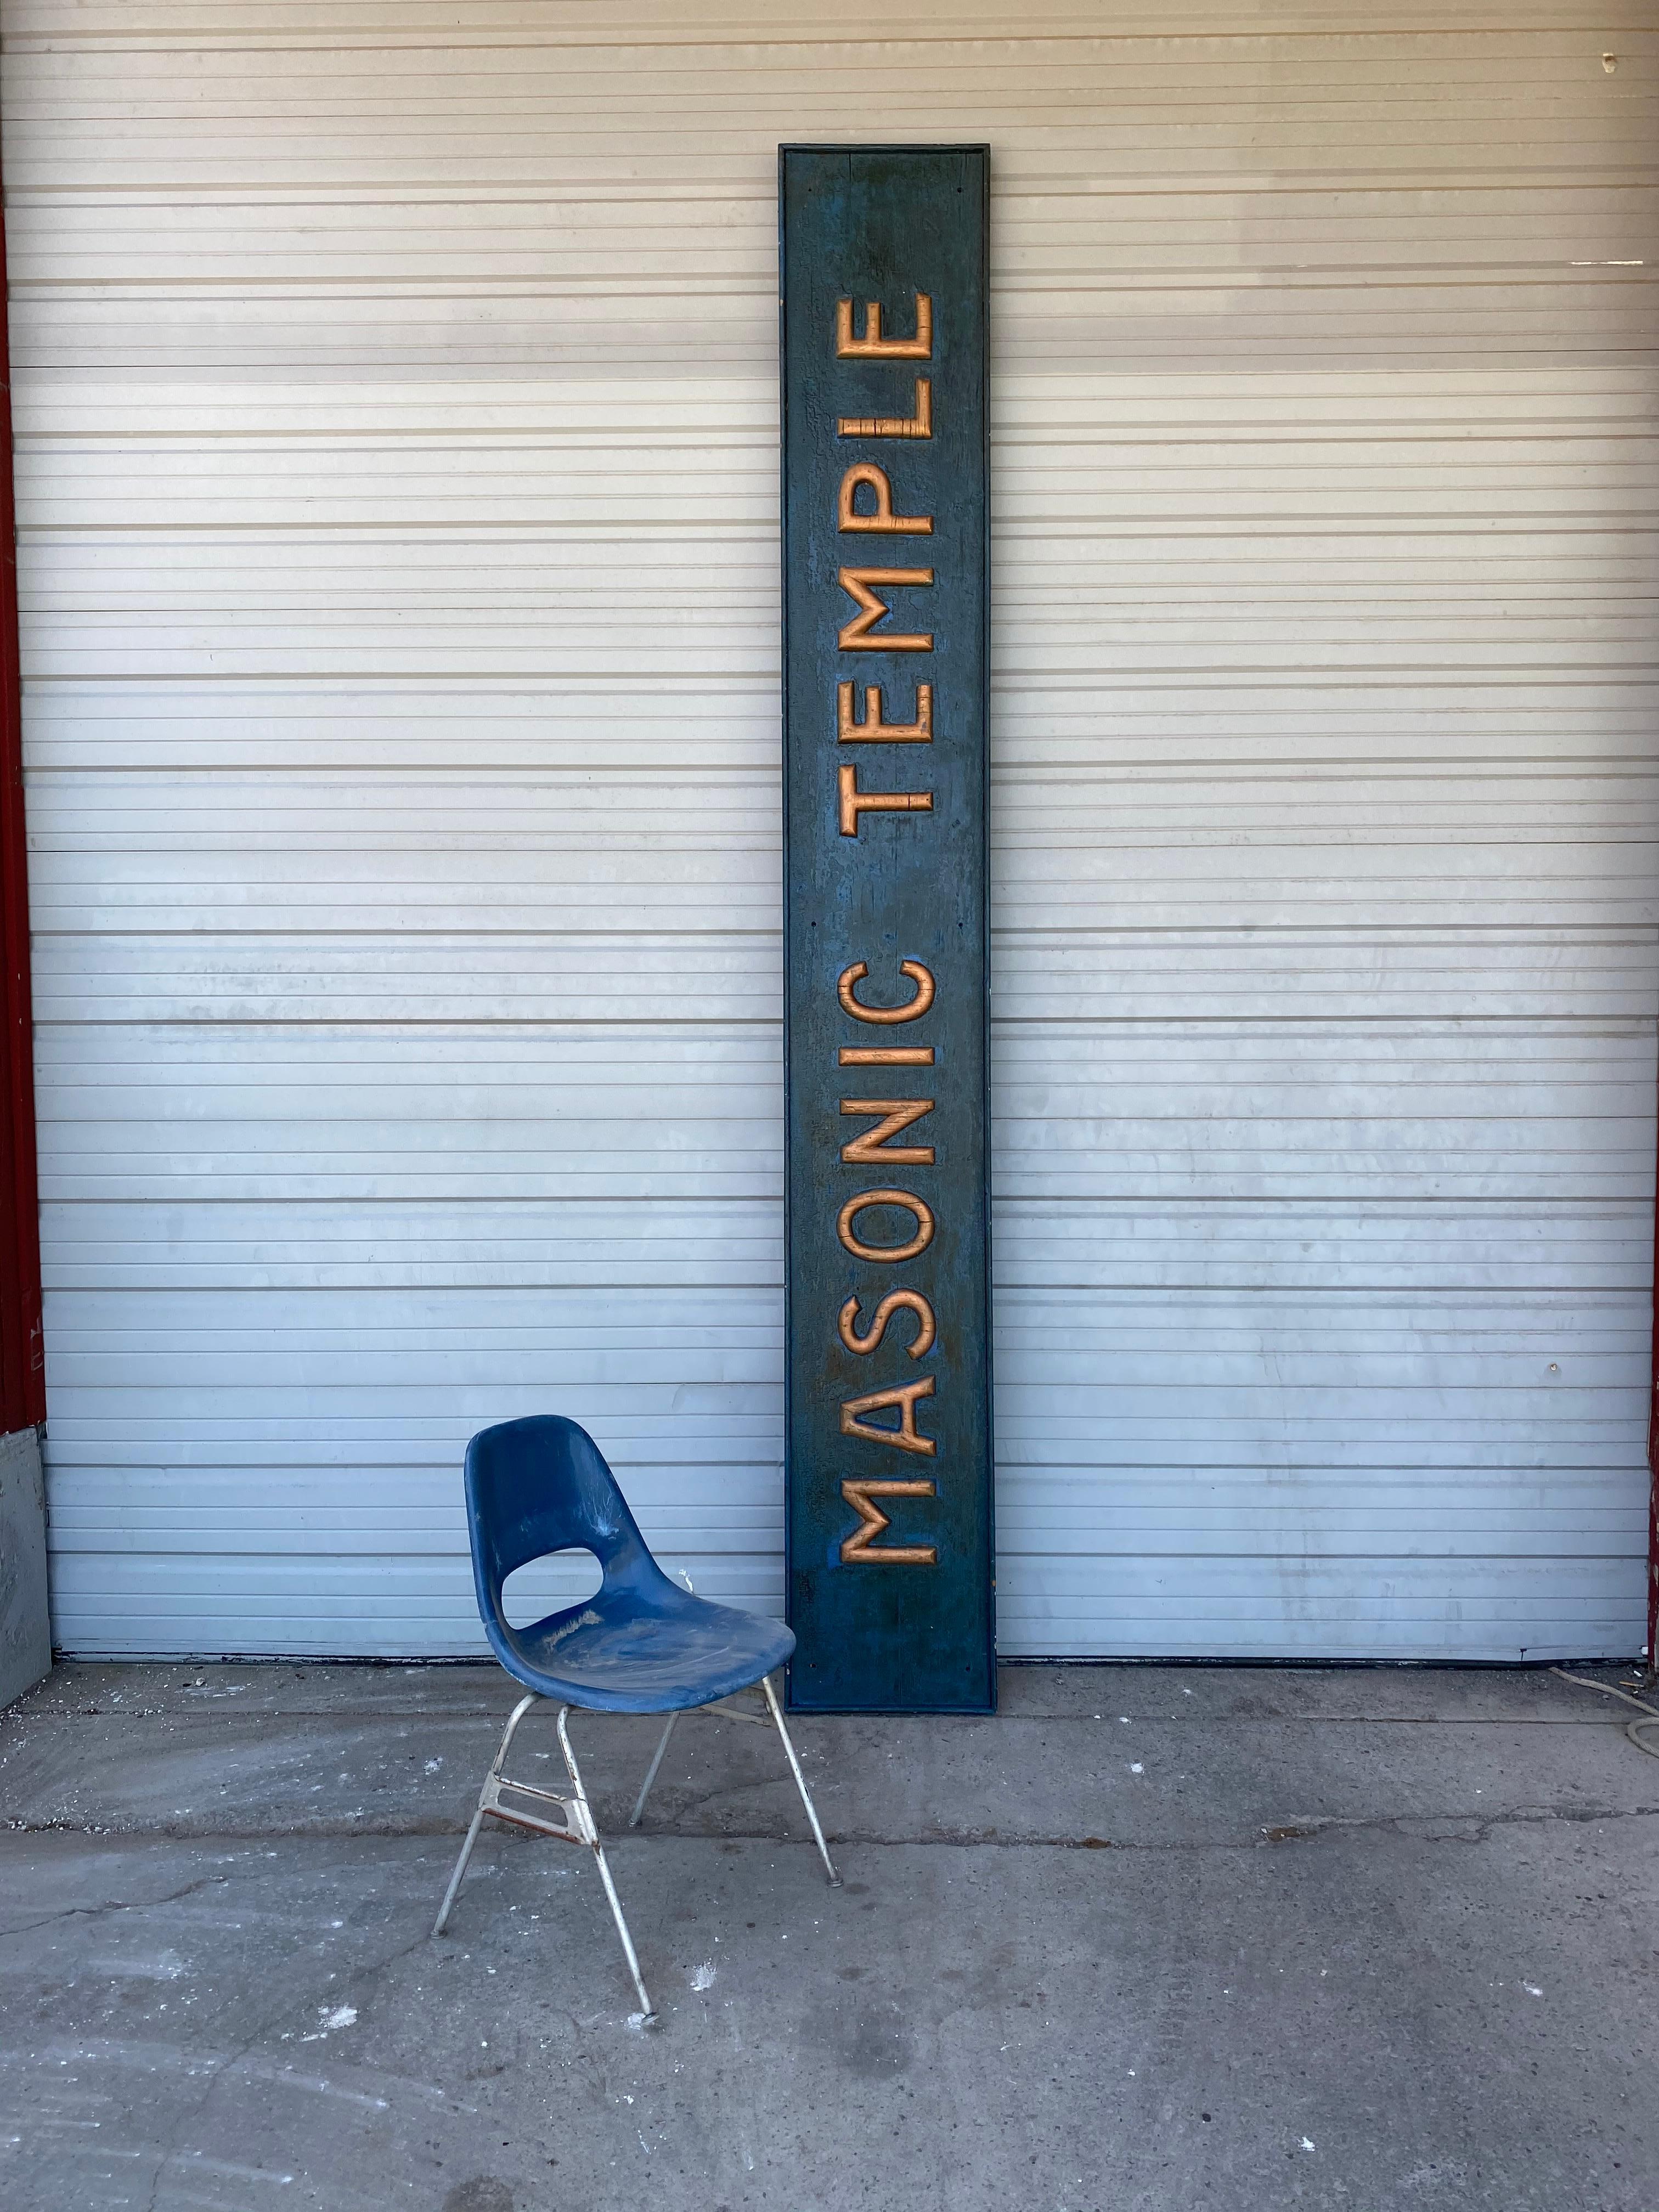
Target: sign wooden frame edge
948	146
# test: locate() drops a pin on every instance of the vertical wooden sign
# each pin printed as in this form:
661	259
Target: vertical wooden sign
886	595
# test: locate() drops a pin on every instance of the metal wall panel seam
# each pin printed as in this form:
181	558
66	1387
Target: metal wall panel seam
1467	1008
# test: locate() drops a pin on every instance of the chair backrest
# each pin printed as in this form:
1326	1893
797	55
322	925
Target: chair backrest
541	1485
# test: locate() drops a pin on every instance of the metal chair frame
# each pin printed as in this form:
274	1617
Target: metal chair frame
578	1826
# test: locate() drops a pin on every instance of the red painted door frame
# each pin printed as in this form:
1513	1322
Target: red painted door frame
22	1355
1652	1652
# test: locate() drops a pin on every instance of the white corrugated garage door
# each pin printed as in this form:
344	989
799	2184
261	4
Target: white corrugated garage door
397	398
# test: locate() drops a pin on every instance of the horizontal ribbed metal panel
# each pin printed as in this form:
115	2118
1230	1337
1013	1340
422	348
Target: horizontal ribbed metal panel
397	406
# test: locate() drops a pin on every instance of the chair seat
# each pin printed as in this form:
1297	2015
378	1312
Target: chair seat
616	1654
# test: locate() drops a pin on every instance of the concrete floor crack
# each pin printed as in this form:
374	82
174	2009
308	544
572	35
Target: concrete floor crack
113	1905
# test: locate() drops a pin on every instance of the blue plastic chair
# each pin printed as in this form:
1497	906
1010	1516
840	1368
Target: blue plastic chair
639	1644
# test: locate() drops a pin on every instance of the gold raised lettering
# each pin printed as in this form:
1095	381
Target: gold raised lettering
918	1208
855	802
872	346
861	1543
872	1149
907	1437
854	637
913	1007
895	1302
919	425
885	1055
881	516
872	731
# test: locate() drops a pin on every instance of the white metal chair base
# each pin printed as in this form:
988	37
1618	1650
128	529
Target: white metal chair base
577	1824
577	1827
772	1716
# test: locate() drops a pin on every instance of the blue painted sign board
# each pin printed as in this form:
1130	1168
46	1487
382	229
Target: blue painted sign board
886	598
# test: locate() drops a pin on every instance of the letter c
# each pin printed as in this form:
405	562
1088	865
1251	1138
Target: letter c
912	1011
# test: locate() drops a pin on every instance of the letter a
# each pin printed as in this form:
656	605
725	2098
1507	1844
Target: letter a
904	1438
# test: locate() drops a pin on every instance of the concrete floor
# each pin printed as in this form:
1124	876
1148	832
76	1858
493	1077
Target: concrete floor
1152	1940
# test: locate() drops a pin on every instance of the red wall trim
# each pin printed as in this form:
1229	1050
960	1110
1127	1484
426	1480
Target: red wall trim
1652	1653
22	1357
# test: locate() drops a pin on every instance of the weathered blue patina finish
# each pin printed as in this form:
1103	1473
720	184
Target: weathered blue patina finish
639	1644
886	523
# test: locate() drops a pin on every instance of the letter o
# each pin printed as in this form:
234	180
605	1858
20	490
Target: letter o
918	1208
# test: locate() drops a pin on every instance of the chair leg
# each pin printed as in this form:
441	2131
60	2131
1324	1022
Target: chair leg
638	1812
800	1782
493	1775
585	1819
